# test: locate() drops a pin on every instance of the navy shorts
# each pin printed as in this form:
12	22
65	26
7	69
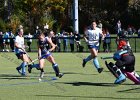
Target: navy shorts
20	54
45	54
93	46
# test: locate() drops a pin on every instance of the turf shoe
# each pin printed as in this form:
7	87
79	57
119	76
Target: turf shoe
18	69
100	70
120	79
59	75
84	63
30	68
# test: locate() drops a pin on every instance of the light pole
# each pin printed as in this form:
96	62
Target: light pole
76	19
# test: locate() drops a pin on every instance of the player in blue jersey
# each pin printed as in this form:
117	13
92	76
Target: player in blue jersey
44	53
92	38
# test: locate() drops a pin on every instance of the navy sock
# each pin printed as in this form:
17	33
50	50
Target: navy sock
19	67
56	68
35	66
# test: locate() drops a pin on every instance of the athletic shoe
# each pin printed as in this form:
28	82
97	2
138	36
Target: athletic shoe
30	68
41	75
18	69
120	79
138	78
59	75
84	63
100	70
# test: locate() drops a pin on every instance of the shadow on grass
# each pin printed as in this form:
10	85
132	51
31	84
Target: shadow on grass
78	73
89	84
13	76
86	97
133	90
65	73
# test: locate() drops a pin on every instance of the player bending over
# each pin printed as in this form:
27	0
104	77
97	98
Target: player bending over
21	53
44	53
124	65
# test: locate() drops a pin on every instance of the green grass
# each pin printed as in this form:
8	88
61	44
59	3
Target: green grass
77	84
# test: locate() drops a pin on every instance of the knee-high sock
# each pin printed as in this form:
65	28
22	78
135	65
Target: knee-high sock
37	66
56	68
24	64
96	62
20	66
88	58
132	77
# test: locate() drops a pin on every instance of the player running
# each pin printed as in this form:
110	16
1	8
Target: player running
44	53
21	53
92	38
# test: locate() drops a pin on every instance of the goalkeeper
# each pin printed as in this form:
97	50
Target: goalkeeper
124	65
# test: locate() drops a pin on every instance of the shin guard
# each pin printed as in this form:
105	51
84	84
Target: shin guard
56	69
132	77
110	67
113	69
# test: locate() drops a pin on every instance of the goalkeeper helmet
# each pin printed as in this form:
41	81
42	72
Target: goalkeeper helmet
122	44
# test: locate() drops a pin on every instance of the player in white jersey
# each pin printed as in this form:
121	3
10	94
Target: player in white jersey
20	52
92	38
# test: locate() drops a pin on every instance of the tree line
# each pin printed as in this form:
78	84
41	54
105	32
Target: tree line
58	14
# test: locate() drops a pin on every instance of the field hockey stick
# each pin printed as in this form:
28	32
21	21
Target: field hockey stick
109	68
27	54
32	62
106	58
36	59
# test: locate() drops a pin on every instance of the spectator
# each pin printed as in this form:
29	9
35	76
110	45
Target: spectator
50	34
36	31
11	36
133	30
77	40
58	42
1	40
54	38
100	41
118	27
65	41
129	30
139	32
29	41
108	41
6	42
71	41
104	42
100	25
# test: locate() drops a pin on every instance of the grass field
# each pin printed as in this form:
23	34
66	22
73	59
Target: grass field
77	84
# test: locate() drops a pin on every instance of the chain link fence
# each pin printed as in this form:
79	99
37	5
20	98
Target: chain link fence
64	45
